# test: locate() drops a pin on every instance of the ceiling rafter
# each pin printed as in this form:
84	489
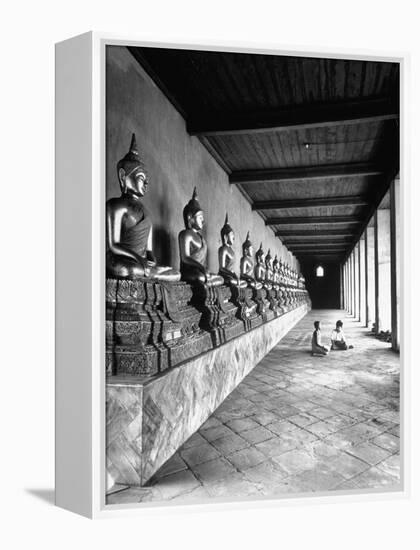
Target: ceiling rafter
311	220
306	173
311	202
316	115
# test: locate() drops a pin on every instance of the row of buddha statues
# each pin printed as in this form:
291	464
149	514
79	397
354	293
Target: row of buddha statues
157	316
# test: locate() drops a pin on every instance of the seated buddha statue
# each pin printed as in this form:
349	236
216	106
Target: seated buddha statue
227	257
129	227
193	247
276	273
260	268
269	273
247	264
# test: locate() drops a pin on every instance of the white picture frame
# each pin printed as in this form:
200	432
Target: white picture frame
80	271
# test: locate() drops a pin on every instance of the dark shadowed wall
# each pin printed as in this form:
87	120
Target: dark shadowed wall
324	291
176	162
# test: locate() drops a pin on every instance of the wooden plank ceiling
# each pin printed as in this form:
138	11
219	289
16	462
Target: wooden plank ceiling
312	143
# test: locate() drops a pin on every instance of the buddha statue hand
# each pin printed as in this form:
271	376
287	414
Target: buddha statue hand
150	258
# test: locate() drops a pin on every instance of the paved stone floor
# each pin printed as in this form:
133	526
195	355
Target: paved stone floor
295	424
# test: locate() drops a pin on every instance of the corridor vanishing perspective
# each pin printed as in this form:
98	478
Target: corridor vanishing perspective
295	425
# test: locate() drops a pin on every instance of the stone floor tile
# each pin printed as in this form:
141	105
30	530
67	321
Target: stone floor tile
241	424
193	441
212	422
216	433
236	485
265	417
116	488
321	449
171	466
214	470
370	453
283	411
375	478
322	413
303	419
276	446
320	429
130	495
387	441
197	495
268	473
281	427
318	478
395	430
257	435
198	454
347	466
230	443
295	461
391	465
247	458
176	484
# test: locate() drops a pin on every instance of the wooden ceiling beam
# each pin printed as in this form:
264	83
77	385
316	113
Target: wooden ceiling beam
296	117
353	200
318	245
306	173
312	220
284	233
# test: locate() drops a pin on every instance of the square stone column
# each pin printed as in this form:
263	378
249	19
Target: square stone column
383	269
370	275
341	286
352	273
345	284
362	280
395	263
356	253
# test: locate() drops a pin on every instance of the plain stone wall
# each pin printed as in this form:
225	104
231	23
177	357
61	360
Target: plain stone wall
176	163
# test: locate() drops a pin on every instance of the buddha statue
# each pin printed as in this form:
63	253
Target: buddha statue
269	273
227	257
129	227
260	269
193	247
247	265
276	273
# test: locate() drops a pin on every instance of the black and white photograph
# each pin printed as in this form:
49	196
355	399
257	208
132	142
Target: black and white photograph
253	266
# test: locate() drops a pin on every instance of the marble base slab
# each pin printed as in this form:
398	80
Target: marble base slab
147	421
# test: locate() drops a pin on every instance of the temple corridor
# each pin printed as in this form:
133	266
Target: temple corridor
295	424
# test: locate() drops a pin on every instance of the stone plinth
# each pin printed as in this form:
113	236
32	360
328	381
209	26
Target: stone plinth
150	326
149	418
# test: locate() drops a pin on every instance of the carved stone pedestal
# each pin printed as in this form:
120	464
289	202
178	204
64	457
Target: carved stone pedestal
150	326
218	312
246	307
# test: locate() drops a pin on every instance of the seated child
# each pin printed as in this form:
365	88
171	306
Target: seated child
317	347
338	340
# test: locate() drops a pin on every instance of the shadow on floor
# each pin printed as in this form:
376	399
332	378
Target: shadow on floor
47	495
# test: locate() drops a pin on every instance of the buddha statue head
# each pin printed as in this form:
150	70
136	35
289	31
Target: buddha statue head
227	234
247	246
268	259
132	174
259	255
193	213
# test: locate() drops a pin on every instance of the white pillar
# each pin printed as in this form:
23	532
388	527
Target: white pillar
395	263
383	269
370	275
362	279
